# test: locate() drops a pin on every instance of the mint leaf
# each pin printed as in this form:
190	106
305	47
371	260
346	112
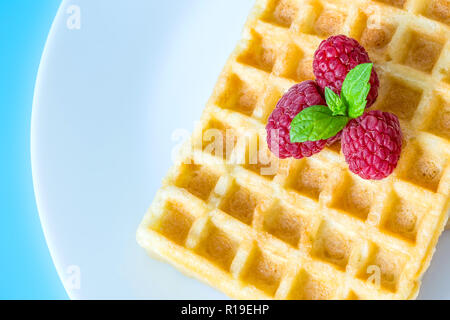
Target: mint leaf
355	89
334	102
316	123
361	102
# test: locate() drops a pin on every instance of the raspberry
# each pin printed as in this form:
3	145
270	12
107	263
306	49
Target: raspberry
299	97
333	60
372	144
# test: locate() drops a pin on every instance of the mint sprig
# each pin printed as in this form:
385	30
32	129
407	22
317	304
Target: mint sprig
355	89
323	122
316	123
335	103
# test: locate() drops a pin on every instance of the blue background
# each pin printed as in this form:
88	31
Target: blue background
26	268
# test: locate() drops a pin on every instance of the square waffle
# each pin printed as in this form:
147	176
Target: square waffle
256	227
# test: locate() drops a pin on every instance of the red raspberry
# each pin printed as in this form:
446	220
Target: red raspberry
372	144
299	97
333	60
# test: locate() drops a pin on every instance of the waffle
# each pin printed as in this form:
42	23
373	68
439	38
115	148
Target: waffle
256	227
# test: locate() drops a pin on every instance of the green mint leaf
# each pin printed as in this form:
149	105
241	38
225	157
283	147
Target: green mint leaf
316	123
361	102
334	102
355	89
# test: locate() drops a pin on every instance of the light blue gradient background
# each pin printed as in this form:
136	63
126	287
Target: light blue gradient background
26	268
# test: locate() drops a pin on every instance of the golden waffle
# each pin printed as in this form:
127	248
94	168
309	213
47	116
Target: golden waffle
310	229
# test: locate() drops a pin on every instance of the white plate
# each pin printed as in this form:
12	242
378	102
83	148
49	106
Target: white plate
108	98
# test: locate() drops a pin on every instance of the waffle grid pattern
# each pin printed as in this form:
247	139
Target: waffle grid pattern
309	229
